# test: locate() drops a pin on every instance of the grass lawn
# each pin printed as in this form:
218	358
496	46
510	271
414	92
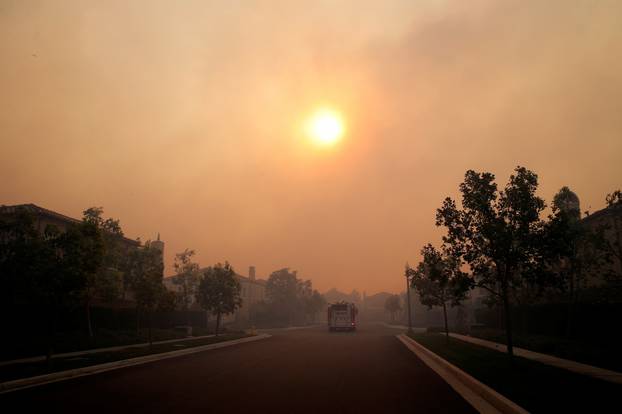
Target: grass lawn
534	386
16	371
35	344
600	352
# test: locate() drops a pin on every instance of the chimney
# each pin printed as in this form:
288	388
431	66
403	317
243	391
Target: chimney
251	272
158	245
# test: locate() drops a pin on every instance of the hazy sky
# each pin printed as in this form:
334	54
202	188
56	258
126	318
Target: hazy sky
184	118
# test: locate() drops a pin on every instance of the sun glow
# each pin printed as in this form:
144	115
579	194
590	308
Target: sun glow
325	127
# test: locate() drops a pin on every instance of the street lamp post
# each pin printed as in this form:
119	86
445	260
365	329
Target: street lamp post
407	274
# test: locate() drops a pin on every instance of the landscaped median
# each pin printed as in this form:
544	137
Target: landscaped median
24	375
529	384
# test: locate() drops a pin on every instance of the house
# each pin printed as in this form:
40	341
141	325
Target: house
252	290
609	221
44	217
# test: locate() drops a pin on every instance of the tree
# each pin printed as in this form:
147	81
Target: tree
282	293
50	269
311	300
187	277
147	270
496	233
64	261
393	305
168	301
314	303
573	251
219	291
614	242
289	299
439	280
19	249
32	271
104	279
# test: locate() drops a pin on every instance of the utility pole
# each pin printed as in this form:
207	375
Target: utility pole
407	274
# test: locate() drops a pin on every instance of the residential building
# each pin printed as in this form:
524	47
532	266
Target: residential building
252	290
44	217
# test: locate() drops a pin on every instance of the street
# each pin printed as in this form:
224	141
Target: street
295	371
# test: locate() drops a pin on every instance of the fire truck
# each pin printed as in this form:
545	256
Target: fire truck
342	316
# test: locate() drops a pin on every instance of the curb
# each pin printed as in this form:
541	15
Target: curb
22	383
482	397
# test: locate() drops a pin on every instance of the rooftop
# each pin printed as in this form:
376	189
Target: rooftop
37	210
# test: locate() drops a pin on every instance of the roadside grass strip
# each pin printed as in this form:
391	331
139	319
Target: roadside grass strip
483	398
595	351
77	354
32	374
580	368
532	385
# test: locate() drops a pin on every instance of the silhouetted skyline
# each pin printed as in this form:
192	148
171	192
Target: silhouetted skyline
184	120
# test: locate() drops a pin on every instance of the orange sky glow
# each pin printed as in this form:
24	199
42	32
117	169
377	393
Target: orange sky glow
187	119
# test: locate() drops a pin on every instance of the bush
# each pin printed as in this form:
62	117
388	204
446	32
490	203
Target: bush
26	329
592	322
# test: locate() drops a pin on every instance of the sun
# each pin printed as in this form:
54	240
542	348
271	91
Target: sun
325	127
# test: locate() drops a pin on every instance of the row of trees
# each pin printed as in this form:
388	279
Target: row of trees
90	262
288	299
56	269
215	288
497	240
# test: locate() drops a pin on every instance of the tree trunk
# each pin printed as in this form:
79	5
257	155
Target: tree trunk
446	325
523	313
137	322
187	303
570	309
508	320
51	340
217	322
150	323
88	320
206	320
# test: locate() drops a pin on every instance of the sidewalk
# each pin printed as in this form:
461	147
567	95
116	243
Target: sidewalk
97	350
595	372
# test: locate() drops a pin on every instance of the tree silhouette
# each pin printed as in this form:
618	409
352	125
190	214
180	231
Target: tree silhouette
187	278
392	305
219	291
439	281
496	233
147	273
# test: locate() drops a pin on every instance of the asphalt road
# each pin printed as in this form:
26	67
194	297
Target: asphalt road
295	371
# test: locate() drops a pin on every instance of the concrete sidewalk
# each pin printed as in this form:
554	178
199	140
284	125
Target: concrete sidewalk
98	350
579	368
